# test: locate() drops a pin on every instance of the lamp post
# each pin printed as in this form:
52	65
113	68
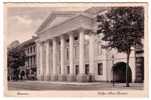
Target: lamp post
113	69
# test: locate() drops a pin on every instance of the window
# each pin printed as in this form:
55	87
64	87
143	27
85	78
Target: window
77	70
34	60
68	69
28	62
99	49
86	68
33	48
86	49
100	69
67	40
30	49
67	53
76	52
25	51
31	60
76	38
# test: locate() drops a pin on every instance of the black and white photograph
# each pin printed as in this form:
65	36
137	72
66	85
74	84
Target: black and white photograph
72	47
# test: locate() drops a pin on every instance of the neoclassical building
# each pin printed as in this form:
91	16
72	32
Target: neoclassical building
68	49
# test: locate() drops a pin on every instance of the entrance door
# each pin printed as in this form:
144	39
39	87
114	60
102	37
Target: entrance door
119	72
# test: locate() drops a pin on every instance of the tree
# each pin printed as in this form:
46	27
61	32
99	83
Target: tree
16	58
122	29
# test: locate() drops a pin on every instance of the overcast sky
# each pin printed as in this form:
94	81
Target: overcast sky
24	21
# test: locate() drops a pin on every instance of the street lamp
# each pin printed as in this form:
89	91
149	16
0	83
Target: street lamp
113	69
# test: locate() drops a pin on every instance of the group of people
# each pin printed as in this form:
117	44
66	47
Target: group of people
22	75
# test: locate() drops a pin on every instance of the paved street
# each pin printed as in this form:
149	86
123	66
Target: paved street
47	85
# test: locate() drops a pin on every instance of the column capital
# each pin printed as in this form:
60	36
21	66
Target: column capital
70	33
38	42
62	36
81	30
54	38
91	32
47	41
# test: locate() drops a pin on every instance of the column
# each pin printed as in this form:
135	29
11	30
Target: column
71	62
47	73
81	77
62	77
91	57
41	61
50	59
37	60
54	59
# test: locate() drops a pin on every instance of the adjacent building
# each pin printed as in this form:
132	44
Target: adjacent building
29	69
139	63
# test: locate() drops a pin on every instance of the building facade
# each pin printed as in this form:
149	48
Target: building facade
68	49
139	52
28	72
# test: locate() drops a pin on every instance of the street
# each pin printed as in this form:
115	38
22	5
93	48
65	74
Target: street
48	85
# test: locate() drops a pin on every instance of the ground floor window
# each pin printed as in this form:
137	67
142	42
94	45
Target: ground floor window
76	69
68	69
100	69
86	68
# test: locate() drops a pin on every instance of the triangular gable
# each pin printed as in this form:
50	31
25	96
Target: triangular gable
55	18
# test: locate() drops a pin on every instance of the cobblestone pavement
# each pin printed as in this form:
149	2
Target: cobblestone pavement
48	85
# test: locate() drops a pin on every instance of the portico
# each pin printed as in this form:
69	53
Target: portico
57	53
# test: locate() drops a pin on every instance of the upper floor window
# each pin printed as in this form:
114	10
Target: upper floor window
34	48
76	51
99	49
67	53
76	38
86	51
30	49
34	60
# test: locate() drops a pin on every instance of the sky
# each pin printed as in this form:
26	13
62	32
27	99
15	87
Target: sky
22	22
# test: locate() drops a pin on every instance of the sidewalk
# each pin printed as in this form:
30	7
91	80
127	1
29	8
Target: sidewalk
49	85
66	82
79	83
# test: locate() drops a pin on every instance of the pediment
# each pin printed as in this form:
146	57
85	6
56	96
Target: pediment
57	20
54	19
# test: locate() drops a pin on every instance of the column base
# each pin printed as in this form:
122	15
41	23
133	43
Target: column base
71	78
62	78
47	78
82	78
54	77
40	78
